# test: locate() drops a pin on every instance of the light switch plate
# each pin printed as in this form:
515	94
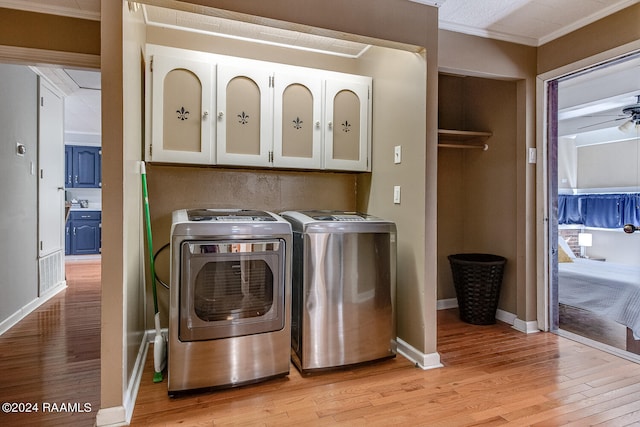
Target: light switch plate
396	194
533	155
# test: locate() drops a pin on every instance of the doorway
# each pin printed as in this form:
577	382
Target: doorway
83	160
46	327
594	190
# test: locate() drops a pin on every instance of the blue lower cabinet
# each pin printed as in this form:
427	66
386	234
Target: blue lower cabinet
84	233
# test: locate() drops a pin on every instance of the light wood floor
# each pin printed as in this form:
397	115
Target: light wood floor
493	375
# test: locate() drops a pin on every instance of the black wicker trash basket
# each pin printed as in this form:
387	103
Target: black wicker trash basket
477	279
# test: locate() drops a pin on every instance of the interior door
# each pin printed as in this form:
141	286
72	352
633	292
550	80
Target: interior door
51	162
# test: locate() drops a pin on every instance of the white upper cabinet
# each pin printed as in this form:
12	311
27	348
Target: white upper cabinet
212	109
181	105
297	127
347	112
244	116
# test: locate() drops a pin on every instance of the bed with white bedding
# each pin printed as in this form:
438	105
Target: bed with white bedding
604	288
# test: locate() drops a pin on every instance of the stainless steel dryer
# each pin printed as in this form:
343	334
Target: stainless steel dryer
343	289
230	298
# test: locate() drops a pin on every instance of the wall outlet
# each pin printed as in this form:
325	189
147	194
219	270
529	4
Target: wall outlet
396	194
397	154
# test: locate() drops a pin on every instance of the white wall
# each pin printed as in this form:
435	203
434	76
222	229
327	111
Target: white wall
567	165
615	246
611	167
18	191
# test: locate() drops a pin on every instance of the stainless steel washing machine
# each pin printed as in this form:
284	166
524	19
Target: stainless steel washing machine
343	289
230	298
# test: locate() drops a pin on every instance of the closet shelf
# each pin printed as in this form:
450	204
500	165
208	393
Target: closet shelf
448	138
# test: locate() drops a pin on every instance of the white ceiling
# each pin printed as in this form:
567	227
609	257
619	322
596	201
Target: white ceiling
82	93
529	22
590	103
588	99
171	18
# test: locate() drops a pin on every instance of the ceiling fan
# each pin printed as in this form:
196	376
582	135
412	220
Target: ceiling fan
633	112
631	115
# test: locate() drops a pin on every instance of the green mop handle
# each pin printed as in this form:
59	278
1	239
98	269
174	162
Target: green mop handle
147	217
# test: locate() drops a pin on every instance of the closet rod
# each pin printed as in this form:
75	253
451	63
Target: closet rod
484	147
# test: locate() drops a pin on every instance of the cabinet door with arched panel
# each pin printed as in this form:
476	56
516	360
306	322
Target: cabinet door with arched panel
297	141
244	116
181	105
346	127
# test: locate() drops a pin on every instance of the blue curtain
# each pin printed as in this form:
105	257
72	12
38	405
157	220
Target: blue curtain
631	209
569	210
602	210
599	210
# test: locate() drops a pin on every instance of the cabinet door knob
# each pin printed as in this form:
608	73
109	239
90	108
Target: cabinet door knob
330	124
205	114
220	114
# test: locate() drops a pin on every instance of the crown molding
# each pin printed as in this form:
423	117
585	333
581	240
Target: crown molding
436	3
51	9
42	57
489	34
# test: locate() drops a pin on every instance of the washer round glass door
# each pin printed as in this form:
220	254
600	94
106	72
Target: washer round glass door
231	288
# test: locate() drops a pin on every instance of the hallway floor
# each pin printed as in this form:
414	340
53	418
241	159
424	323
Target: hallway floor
52	357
